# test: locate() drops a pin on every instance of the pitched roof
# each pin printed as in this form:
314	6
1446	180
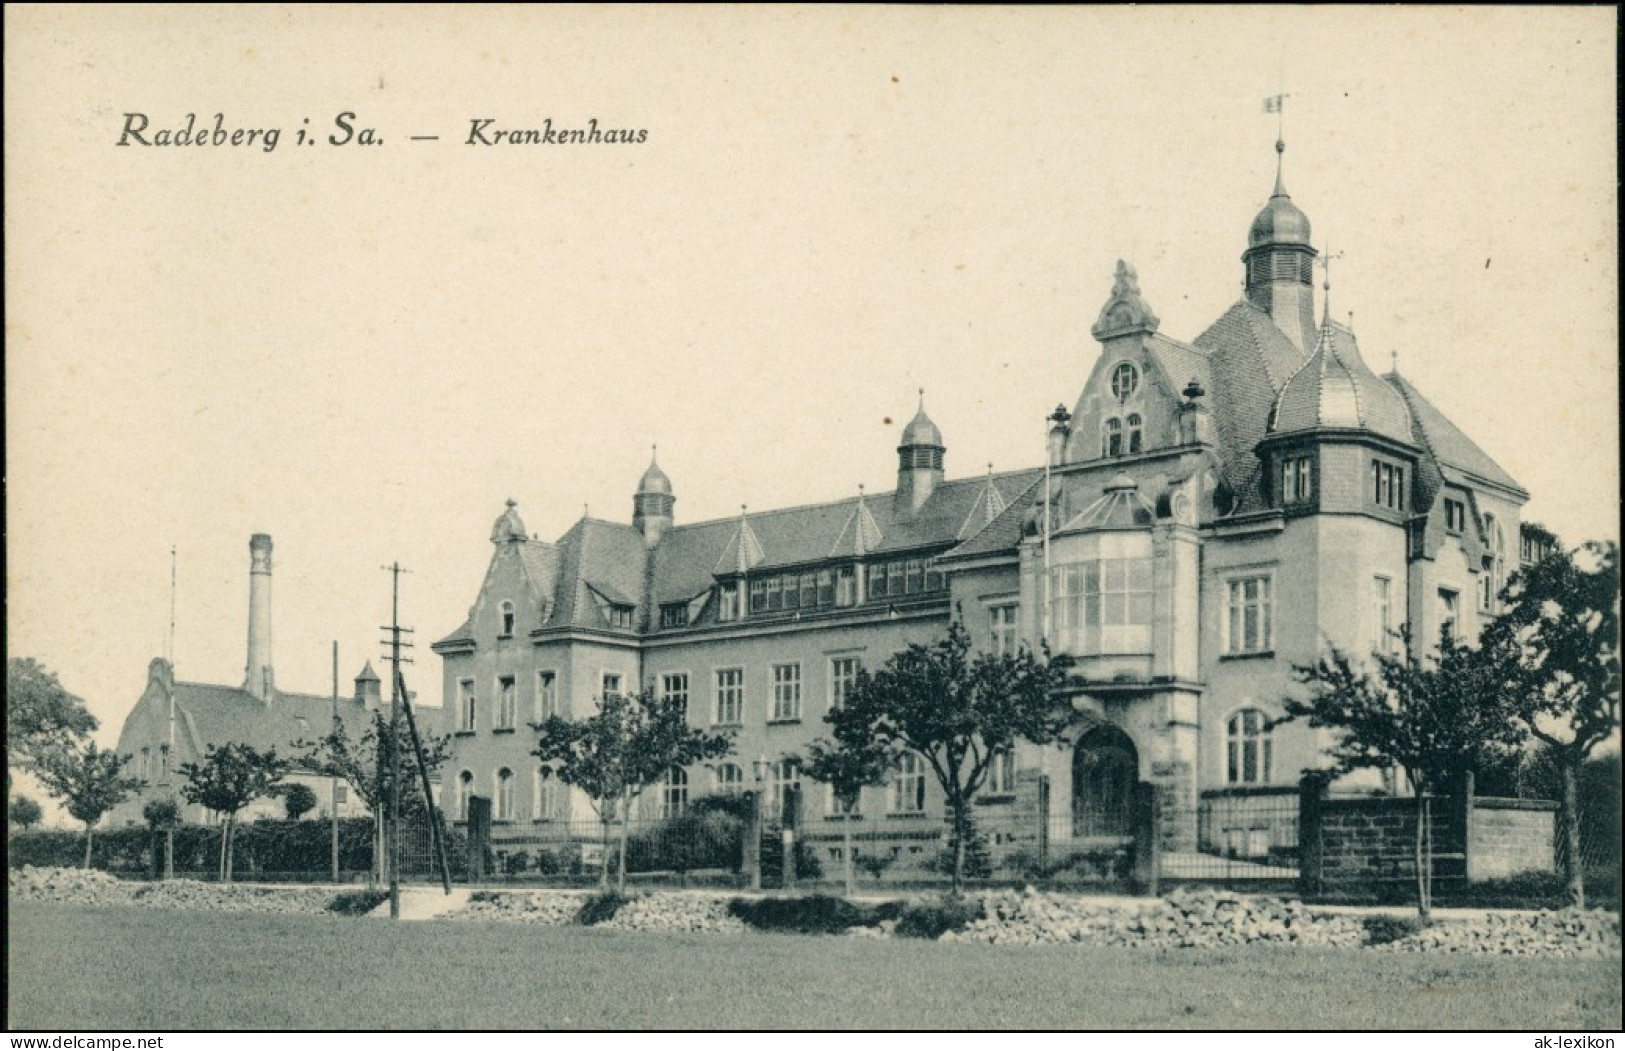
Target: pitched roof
216	715
607	557
990	503
1004	532
1251	361
1444	442
861	534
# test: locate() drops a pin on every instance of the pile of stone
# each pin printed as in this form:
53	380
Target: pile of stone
1185	919
227	897
551	908
68	886
676	912
1585	933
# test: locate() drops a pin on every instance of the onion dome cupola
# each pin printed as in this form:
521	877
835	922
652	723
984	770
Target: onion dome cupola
652	504
509	526
1336	390
919	462
1280	263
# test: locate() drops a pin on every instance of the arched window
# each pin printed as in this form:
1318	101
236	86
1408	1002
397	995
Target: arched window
547	794
1111	443
163	763
1125	380
908	785
730	779
507	619
1134	430
143	769
1247	748
465	789
504	796
674	792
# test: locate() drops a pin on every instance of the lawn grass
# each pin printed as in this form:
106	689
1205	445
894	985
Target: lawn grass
83	968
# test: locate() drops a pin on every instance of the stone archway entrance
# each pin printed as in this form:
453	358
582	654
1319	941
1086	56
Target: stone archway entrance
1105	768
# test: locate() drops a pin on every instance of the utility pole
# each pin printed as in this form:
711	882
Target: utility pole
437	833
392	826
334	786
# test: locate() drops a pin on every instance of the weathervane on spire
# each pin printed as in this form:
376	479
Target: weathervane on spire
1325	263
1276	104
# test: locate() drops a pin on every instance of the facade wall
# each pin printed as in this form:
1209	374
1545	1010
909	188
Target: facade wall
759	735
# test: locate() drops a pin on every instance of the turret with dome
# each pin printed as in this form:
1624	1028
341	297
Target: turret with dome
919	461
652	504
1280	263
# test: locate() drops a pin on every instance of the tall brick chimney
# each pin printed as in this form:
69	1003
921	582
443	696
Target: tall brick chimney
258	679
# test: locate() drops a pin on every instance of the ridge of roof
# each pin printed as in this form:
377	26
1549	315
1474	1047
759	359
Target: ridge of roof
879	497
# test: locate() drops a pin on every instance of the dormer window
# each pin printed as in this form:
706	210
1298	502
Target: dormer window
1455	516
1125	381
728	602
620	616
1134	429
1297	479
674	615
507	620
1112	440
1388	485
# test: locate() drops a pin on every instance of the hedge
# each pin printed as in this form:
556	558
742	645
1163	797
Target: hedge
259	848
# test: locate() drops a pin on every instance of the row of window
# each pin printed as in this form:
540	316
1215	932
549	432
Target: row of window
834	588
1119	436
152	764
904	791
729	705
729	696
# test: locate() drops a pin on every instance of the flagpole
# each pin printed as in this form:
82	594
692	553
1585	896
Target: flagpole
1057	429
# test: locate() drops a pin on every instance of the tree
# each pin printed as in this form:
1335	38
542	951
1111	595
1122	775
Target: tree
956	711
298	800
1560	632
90	782
24	812
1435	717
847	771
230	777
162	815
363	763
615	754
42	718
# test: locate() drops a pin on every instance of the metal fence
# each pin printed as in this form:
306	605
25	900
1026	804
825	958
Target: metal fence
1242	836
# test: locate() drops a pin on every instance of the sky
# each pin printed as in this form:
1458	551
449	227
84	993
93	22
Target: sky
365	350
